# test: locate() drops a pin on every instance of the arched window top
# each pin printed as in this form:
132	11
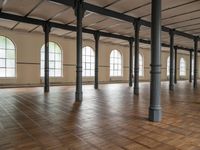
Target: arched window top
115	63
7	57
88	61
53	48
182	67
55	60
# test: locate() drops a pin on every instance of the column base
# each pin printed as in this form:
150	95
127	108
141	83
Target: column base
46	89
136	91
130	84
79	96
155	114
171	87
96	87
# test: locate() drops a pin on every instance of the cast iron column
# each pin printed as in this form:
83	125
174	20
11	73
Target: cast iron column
171	74
96	80
175	65
195	61
190	73
79	12
136	68
131	62
46	29
155	108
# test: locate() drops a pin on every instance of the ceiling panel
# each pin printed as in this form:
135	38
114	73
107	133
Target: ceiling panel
101	3
58	32
66	17
93	18
127	5
52	10
21	7
140	12
7	23
25	26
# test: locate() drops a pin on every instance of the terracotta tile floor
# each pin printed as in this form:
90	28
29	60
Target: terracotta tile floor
108	118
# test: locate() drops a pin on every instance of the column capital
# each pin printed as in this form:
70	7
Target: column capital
78	4
196	38
47	27
137	23
171	32
96	35
131	40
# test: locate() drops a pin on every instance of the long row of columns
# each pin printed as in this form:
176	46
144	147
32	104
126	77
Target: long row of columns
154	108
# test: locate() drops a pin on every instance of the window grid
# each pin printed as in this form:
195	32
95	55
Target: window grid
88	62
141	65
115	63
55	60
168	65
182	67
7	58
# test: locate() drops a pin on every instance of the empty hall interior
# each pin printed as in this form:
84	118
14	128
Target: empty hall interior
99	75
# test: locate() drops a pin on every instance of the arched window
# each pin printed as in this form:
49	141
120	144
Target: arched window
55	60
168	65
7	58
88	62
141	65
115	63
182	67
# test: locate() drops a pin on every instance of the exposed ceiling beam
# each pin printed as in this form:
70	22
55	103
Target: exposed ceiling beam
117	15
73	28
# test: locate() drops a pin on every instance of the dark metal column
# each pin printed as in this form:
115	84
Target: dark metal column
171	74
131	62
175	65
155	108
79	12
195	61
190	73
96	79
46	29
136	68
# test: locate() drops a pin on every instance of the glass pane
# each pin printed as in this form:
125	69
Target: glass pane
2	72
51	65
10	63
42	56
51	56
2	63
51	47
2	42
58	57
57	73
87	66
51	72
10	72
2	53
42	72
87	73
10	54
58	65
10	44
57	49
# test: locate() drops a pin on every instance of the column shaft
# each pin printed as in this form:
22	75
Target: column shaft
96	79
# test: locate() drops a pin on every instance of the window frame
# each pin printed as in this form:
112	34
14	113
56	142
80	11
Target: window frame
15	58
182	62
121	64
54	61
85	62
